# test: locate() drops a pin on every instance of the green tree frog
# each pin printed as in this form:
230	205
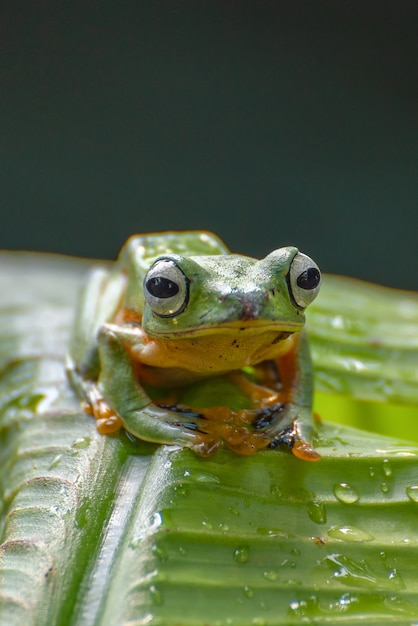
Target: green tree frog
182	342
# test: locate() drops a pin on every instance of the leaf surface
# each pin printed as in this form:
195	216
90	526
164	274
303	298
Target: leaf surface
101	530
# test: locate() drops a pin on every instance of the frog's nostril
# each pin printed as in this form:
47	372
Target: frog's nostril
249	310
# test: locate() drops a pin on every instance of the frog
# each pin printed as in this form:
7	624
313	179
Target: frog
178	313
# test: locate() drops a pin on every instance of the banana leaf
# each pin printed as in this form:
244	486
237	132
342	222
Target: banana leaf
106	531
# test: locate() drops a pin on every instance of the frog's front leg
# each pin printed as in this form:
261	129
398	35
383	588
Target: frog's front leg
291	422
118	386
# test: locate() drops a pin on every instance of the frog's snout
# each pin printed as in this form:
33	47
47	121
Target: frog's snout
249	311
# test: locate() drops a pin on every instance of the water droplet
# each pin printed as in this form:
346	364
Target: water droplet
387	470
271	575
208	479
81	443
272	532
233	511
317	512
182	551
275	491
181	489
349	533
206	524
55	461
412	493
248	592
345	600
349	571
295	552
384	488
156	595
346	493
241	554
372	473
159	553
396	579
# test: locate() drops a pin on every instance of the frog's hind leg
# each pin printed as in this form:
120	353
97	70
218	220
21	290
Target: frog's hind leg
99	301
107	420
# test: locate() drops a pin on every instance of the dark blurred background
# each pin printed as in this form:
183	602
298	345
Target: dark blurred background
268	122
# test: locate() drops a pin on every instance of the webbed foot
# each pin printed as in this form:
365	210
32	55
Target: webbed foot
107	420
287	424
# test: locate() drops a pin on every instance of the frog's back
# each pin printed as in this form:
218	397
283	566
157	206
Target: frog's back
142	250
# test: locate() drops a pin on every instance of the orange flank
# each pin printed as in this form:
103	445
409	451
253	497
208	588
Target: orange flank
128	316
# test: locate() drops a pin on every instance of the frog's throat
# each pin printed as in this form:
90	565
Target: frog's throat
213	353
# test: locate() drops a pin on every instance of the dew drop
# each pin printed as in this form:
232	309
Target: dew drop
272	532
156	595
270	575
234	511
206	524
292	582
181	489
209	479
349	533
317	512
241	554
55	461
159	553
248	592
346	493
396	579
387	470
276	491
412	493
81	443
384	488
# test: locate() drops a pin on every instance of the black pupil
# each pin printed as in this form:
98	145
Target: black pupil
161	287
309	279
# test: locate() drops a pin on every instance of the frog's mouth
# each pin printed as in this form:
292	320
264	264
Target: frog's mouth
236	328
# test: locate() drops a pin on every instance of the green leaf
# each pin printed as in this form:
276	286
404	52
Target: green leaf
364	341
101	530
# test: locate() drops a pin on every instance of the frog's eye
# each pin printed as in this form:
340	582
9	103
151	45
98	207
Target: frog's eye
166	288
304	280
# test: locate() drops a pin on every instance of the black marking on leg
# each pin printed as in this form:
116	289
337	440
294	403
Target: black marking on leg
183	410
187	413
286	437
265	417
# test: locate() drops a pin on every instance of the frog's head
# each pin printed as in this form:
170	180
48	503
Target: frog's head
224	294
